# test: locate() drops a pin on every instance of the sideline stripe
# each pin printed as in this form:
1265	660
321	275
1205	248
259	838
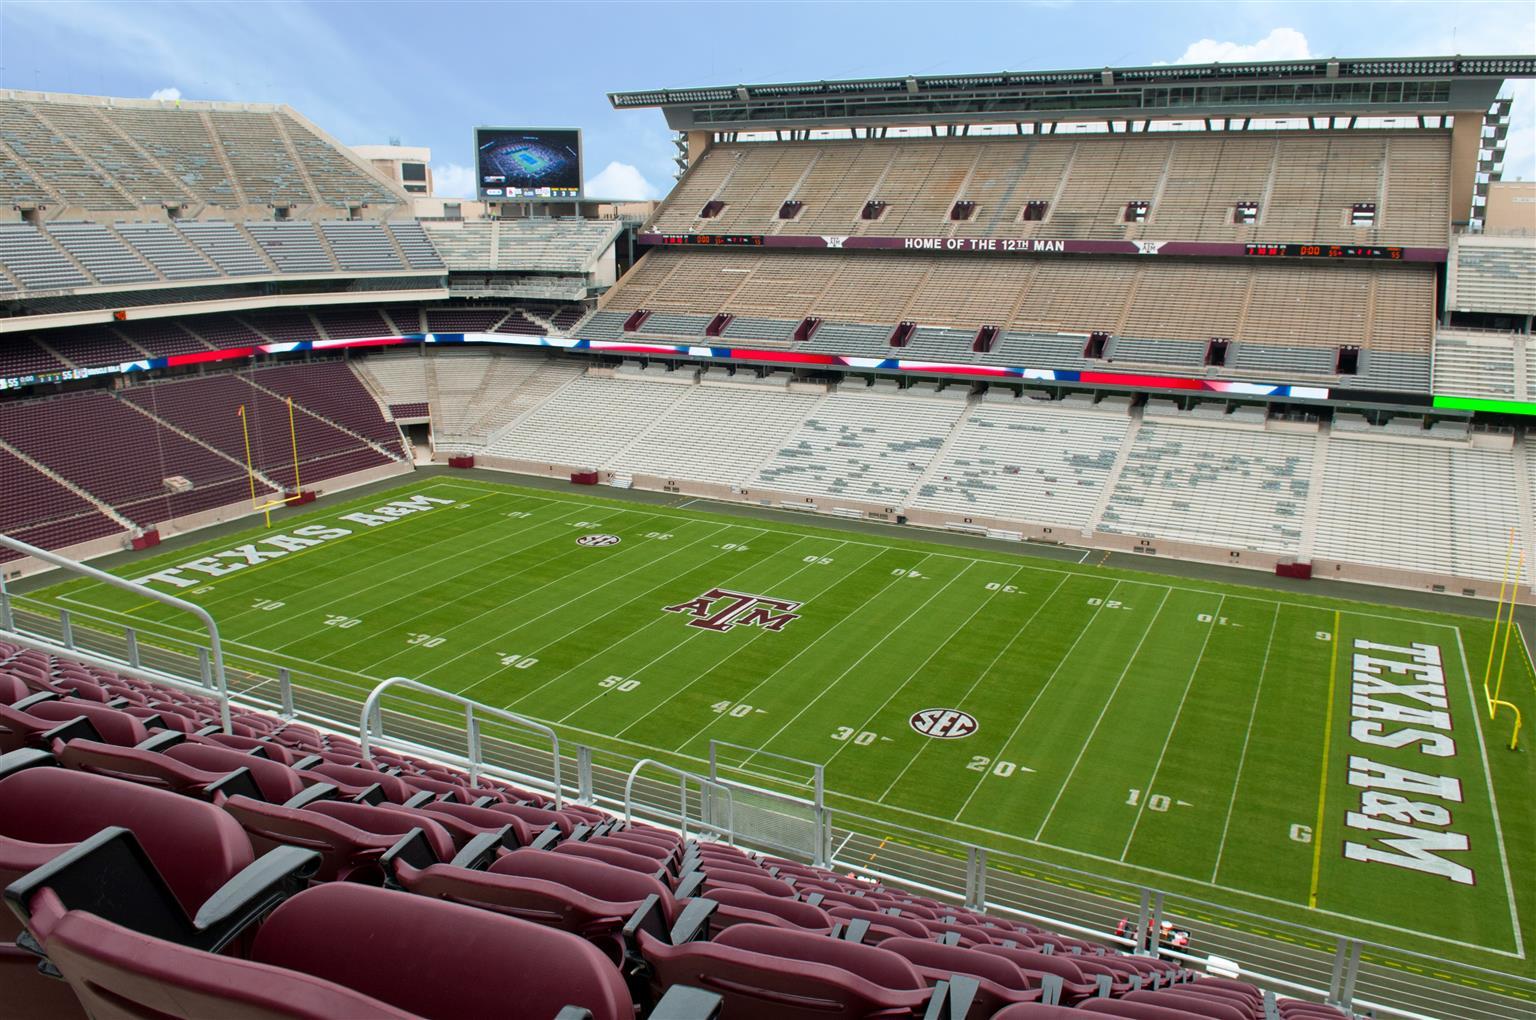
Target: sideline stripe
1322	786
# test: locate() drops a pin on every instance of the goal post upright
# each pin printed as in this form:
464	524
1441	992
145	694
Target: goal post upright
266	508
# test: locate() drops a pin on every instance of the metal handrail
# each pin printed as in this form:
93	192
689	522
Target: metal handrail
215	647
472	712
729	832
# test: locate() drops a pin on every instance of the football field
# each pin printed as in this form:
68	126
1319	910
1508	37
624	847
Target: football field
1324	761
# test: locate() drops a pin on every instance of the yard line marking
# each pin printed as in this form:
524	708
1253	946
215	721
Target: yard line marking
1243	757
790	661
1322	786
574	598
1036	699
1103	711
496	581
1178	714
938	646
977	683
471	550
828	688
744	645
1493	801
660	619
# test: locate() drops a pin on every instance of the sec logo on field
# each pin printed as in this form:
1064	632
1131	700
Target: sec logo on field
597	540
944	723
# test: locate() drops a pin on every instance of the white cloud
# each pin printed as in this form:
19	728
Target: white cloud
1279	44
451	180
168	94
622	181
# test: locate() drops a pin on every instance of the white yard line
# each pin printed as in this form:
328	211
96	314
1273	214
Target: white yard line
1189	683
1023	627
1493	802
739	648
1242	758
1024	716
660	620
938	646
1103	710
502	635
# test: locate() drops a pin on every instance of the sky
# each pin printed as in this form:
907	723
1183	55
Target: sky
427	73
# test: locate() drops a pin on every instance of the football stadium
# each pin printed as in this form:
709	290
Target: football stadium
1020	545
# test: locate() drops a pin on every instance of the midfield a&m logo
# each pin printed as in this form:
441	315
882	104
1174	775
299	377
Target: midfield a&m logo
718	609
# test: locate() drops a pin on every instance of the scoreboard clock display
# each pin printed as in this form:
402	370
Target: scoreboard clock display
755	240
1326	251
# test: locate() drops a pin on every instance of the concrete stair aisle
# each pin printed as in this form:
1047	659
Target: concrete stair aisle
183	433
1112	480
1314	495
942	456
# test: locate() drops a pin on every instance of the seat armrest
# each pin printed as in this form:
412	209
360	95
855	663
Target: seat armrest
688	884
75	729
210	730
480	852
23	759
33	699
857	929
1050	989
573	1013
485	801
252	894
693	922
371	795
420	799
546	839
648	918
240	781
1104	983
412	849
685	1002
310	794
160	741
309	761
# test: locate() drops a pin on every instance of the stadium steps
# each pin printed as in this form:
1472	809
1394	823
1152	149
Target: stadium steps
300	169
107	178
1525	499
44	469
68	256
183	433
1112	480
1525	362
779	225
950	226
397	454
221	153
1314	494
867	226
941	457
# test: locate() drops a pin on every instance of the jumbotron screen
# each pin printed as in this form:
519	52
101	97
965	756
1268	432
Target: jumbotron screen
528	163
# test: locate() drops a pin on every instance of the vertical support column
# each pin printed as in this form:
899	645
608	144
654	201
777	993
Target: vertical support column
7	622
205	668
285	692
131	641
584	794
472	735
1143	918
975	878
1351	971
66	629
1152	934
1336	980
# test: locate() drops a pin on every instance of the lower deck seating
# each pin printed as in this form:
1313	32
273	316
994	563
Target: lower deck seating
1213	485
1045	462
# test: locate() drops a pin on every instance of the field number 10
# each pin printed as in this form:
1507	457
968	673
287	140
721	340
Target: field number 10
1156	802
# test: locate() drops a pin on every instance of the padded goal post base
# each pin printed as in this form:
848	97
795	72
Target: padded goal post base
1298	570
465	461
148	540
300	498
583	477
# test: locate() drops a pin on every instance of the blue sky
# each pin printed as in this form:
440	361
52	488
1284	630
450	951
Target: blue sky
426	73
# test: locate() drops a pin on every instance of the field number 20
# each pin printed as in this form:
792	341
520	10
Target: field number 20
1108	603
1001	769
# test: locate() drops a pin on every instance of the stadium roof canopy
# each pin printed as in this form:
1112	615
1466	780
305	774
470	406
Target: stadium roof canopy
1411	86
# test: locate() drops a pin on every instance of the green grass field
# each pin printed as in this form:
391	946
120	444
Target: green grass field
1192	735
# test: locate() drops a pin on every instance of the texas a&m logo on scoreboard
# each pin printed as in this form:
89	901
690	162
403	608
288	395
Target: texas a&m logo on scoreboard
719	609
